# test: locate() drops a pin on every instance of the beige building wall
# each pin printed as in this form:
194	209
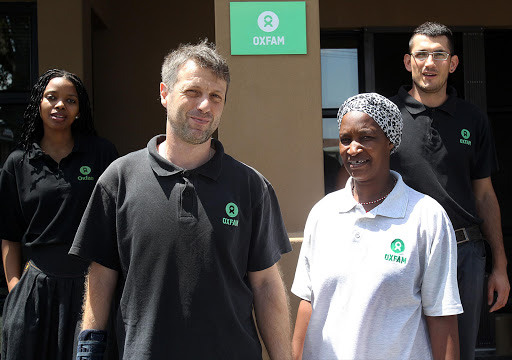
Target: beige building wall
273	117
273	122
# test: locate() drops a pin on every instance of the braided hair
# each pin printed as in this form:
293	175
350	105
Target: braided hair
32	129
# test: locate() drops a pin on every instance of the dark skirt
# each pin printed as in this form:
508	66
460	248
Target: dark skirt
41	316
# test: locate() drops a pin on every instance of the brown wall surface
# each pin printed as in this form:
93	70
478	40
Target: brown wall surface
344	14
127	56
64	37
60	35
273	118
103	10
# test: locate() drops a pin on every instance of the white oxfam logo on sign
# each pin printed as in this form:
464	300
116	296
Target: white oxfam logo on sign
268	21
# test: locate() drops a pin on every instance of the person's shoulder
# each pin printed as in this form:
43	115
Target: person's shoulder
423	201
238	168
330	205
329	201
424	210
472	115
124	166
463	105
467	106
472	111
15	155
14	159
97	142
132	158
400	96
395	99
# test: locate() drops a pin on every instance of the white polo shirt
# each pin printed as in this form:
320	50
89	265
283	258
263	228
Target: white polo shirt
370	276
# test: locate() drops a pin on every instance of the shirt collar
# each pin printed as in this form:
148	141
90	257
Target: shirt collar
394	206
415	107
78	146
163	167
35	151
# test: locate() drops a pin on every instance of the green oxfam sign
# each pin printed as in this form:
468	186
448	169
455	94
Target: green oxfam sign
268	28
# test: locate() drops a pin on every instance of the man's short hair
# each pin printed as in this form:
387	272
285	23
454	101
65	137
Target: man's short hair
433	29
203	54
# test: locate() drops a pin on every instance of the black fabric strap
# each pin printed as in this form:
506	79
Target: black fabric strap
91	345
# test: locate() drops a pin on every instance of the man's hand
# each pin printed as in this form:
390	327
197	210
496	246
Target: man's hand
498	282
488	209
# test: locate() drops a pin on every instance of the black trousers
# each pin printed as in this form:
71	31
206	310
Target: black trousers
471	275
40	316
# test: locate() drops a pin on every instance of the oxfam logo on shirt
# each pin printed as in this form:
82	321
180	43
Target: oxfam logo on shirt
231	211
85	171
398	247
465	136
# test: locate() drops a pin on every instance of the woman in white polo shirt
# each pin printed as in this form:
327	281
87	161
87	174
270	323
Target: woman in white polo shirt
377	268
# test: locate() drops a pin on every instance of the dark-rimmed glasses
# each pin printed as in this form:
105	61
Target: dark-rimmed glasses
423	55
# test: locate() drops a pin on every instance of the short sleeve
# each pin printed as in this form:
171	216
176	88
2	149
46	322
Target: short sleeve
485	162
439	289
302	281
96	238
269	239
12	226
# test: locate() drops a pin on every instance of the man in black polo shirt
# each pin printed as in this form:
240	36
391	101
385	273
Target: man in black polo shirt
447	152
189	236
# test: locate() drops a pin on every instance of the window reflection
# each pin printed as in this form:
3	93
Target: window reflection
340	80
15	46
18	69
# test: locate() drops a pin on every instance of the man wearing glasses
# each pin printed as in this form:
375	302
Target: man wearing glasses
447	152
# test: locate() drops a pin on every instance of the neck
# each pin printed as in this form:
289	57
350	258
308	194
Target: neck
184	155
365	192
433	99
58	145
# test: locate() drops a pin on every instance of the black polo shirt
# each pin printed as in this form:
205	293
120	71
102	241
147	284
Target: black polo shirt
443	150
183	242
42	201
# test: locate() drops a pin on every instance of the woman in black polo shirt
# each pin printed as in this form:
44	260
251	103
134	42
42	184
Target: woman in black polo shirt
44	188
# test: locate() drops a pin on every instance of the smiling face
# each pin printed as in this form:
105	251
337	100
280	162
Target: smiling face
59	105
364	148
194	104
430	76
